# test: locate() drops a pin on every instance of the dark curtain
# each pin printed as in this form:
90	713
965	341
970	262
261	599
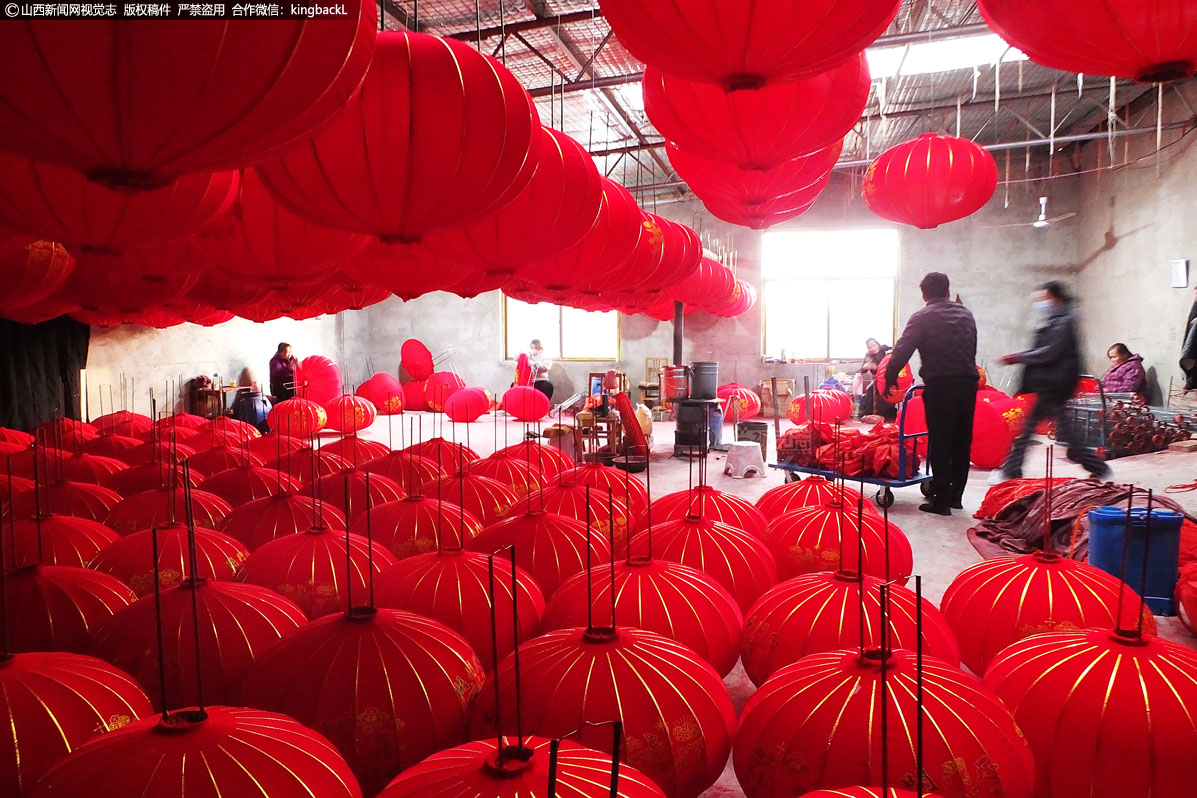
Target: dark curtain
39	371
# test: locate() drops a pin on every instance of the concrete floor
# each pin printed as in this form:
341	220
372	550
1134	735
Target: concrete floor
941	547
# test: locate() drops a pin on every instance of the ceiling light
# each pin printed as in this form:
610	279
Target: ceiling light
945	55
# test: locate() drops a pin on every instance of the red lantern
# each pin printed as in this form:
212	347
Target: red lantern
56	540
557	207
816	724
113	444
438	135
79	499
134	282
711	283
159	452
452	586
243	751
739	402
245	484
387	687
998	602
53	702
707	502
525	403
568	498
816	538
930	181
1150	43
223	428
992	436
677	718
866	792
264	520
34	273
733	557
742	300
317	379
521	477
175	102
484	498
548	460
893	393
384	392
439	387
236	623
162	506
91	468
409	470
826	407
484	770
810	492
413	395
444	453
1131	697
418	525
131	558
820	612
763	129
275	445
355	450
350	413
674	600
744	45
416	359
61	606
297	417
550	547
221	458
123	422
364	490
467	405
316	568
309	465
622	485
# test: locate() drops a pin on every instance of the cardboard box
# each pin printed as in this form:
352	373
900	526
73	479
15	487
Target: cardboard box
785	393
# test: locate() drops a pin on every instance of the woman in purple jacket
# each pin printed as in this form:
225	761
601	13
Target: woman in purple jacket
1126	375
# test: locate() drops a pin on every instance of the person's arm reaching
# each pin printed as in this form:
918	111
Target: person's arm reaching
903	350
1055	340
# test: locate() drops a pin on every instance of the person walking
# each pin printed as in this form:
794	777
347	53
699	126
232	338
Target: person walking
1051	370
945	335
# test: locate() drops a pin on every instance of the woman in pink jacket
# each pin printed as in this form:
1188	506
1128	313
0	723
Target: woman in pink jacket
1126	375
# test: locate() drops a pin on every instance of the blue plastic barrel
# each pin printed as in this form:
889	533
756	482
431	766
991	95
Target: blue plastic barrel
1107	529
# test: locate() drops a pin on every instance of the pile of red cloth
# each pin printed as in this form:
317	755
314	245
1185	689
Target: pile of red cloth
799	445
1001	496
868	454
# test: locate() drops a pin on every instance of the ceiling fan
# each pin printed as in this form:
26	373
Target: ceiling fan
1042	220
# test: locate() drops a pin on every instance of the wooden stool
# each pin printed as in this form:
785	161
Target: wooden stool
744	458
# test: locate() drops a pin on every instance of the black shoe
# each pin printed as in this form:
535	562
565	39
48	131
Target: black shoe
937	509
956	504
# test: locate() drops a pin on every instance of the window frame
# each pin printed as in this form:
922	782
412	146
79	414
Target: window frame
508	356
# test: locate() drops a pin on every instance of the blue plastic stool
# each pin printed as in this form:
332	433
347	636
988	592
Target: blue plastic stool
1107	528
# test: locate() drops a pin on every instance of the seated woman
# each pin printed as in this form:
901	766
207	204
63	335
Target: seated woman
868	402
1126	375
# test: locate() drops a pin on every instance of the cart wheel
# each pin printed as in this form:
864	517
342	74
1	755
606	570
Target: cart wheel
884	497
925	487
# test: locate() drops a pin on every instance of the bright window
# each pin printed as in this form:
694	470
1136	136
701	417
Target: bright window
826	291
565	333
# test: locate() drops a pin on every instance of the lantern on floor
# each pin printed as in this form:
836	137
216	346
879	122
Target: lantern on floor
992	436
482	497
32	273
411	526
387	687
467	405
525	403
738	561
826	407
409	470
1129	696
439	387
111	444
445	453
413	395
55	540
275	445
606	514
708	502
350	413
363	490
94	468
548	546
815	613
550	461
123	422
998	602
521	477
263	520
248	483
53	702
932	180
61	606
810	492
236	624
384	392
222	458
832	538
356	451
131	558
244	751
1150	43
744	45
453	586
317	379
316	568
623	486
416	359
162	506
438	135
677	718
309	465
739	402
297	417
80	499
486	769
817	724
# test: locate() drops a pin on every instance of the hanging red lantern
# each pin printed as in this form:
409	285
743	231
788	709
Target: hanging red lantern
409	470
930	181
467	405
55	540
136	281
236	624
992	437
214	289
453	586
742	300
33	273
677	718
550	547
318	379
387	687
606	514
244	751
734	558
739	402
364	491
162	506
816	724
555	209
247	483
53	702
521	477
1150	43
621	484
708	502
350	413
525	403
712	282
177	101
439	387
131	558
123	422
485	770
826	407
820	612
349	292
356	451
416	359
671	599
998	602
445	453
263	520
1131	696
414	525
438	135
484	498
384	392
815	539
315	568
762	129
61	606
744	45
550	461
810	492
308	465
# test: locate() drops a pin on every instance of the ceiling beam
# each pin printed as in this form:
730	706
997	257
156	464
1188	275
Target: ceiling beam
527	24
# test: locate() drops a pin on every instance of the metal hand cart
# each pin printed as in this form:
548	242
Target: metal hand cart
885	487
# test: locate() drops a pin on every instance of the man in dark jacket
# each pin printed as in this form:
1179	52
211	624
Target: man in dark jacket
1051	370
945	335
